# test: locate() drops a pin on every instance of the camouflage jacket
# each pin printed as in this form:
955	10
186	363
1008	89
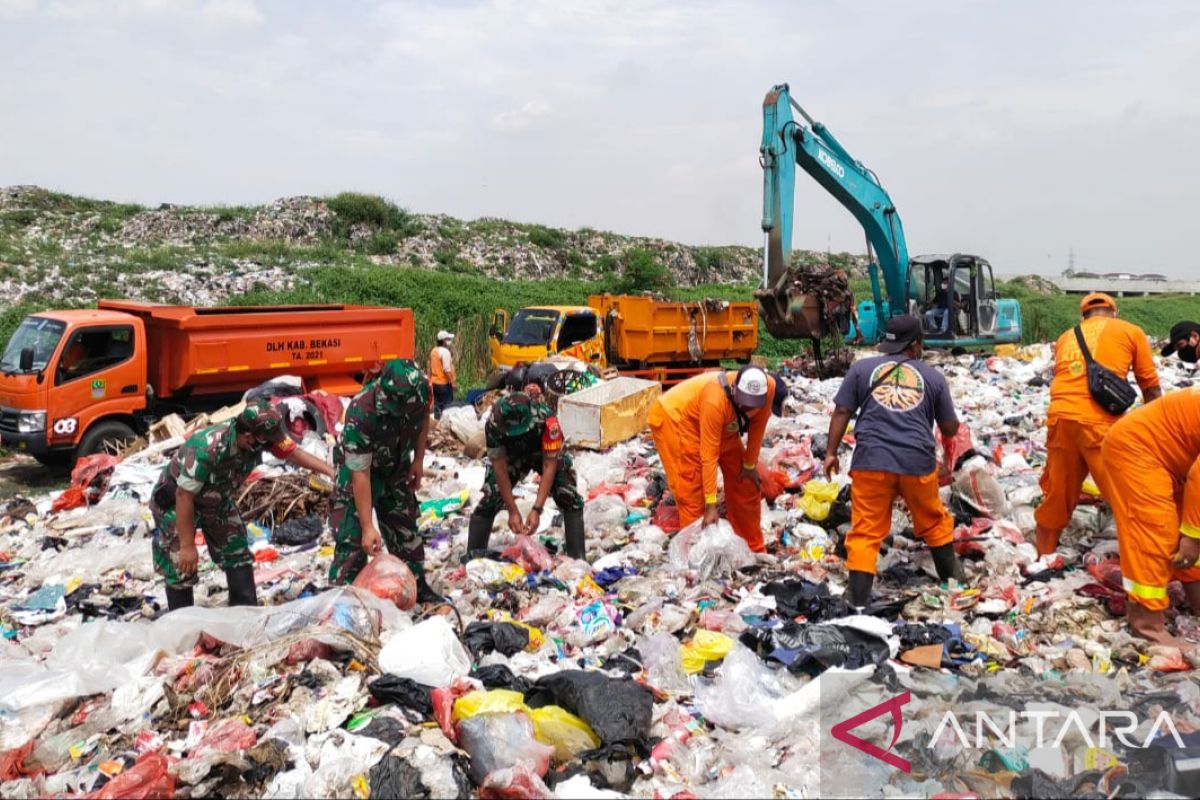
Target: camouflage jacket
210	465
522	429
380	435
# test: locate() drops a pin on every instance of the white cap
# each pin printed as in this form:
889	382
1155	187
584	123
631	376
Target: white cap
751	391
445	336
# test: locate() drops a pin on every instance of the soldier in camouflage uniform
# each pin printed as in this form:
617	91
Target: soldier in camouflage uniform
379	466
196	490
523	435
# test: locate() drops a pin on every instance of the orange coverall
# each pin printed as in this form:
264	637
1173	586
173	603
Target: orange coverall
1076	424
1152	482
695	430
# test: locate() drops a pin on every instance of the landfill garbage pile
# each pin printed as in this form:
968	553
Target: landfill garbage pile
672	663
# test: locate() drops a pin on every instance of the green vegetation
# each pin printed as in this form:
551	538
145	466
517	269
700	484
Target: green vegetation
550	238
643	273
351	209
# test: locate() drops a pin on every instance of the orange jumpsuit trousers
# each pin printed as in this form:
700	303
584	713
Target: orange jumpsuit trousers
872	495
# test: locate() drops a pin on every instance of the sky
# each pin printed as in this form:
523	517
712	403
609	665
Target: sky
1023	131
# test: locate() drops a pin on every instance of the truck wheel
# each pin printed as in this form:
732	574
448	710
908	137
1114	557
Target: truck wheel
99	438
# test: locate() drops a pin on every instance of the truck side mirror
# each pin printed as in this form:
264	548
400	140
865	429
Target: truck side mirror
26	361
495	331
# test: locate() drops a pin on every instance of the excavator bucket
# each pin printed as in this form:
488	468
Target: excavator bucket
807	303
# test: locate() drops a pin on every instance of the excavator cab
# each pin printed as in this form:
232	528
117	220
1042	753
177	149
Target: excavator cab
954	297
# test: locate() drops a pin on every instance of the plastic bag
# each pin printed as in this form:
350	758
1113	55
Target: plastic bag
390	578
295	532
227	737
617	709
705	646
666	517
953	450
462	421
148	778
818	499
714	551
506	638
89	481
531	554
562	730
662	666
744	696
494	701
606	511
499	741
403	692
308	650
771	487
792	466
977	486
514	783
428	653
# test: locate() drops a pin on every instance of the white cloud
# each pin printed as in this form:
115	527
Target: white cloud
16	9
238	13
520	119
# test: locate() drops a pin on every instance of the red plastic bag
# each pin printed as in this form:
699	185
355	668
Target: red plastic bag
89	481
666	517
12	762
148	778
72	497
443	705
606	488
390	578
960	444
530	554
771	487
307	650
514	783
1108	574
227	737
794	465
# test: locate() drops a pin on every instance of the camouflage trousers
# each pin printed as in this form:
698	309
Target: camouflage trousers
224	534
566	495
396	513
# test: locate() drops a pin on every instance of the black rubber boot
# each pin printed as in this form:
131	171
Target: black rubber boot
947	564
179	598
241	586
425	592
858	590
479	532
575	545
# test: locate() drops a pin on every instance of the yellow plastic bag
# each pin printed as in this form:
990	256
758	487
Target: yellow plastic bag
494	701
512	573
817	500
536	637
1090	488
706	646
562	730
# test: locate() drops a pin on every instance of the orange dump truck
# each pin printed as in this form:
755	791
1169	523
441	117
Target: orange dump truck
72	381
640	335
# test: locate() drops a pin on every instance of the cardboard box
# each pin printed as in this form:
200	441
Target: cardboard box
611	412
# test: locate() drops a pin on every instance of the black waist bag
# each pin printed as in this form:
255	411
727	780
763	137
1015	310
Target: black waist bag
1110	390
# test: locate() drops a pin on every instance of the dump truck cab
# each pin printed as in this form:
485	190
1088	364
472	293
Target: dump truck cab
64	372
539	332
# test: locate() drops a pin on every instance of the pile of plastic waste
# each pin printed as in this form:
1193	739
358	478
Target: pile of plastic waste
672	663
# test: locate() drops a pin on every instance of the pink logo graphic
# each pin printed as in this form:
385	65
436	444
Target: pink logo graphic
841	731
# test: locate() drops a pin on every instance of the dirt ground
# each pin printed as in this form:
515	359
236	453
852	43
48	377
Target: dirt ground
21	475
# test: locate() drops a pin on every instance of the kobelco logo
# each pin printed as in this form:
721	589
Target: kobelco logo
829	161
841	731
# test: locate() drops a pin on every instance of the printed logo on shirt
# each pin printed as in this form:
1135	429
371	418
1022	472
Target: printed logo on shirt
902	390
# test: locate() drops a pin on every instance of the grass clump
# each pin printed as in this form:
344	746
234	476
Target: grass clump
351	209
643	273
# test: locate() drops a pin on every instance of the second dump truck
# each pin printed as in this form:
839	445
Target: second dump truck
71	382
639	335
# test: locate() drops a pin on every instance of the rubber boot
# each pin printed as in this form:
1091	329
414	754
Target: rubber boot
1149	625
858	590
947	564
479	532
179	598
241	586
1192	592
574	539
1047	541
425	592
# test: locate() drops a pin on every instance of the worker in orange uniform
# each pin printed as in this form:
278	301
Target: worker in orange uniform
441	373
1076	424
1152	482
698	427
898	398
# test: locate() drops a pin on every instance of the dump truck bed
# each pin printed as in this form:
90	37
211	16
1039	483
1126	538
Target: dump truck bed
641	330
217	350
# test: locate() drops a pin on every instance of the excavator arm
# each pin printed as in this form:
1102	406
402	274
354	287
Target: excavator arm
787	309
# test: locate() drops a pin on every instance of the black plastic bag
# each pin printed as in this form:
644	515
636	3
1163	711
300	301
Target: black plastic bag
499	676
297	531
814	648
618	710
482	638
394	778
404	692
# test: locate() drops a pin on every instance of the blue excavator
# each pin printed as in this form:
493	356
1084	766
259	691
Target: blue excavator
954	295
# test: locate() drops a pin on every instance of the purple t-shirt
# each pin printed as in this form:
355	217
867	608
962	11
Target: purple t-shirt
894	432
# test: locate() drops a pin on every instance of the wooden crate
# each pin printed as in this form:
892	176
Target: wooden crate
611	412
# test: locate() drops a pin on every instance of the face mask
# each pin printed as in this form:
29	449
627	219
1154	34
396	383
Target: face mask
1188	353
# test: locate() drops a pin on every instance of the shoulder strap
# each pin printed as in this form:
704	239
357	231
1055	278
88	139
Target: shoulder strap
743	421
1083	348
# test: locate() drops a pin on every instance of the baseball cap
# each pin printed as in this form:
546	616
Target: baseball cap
751	388
445	336
900	333
781	393
1097	300
262	420
1179	331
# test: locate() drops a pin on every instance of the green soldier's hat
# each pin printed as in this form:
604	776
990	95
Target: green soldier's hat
516	414
262	420
403	387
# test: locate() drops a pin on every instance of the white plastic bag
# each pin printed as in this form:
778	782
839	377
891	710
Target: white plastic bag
463	422
976	484
606	511
714	551
427	653
745	695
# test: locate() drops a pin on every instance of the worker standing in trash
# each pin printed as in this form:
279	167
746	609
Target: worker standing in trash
524	436
441	373
1075	423
1152	477
898	398
196	491
698	427
379	462
1184	339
